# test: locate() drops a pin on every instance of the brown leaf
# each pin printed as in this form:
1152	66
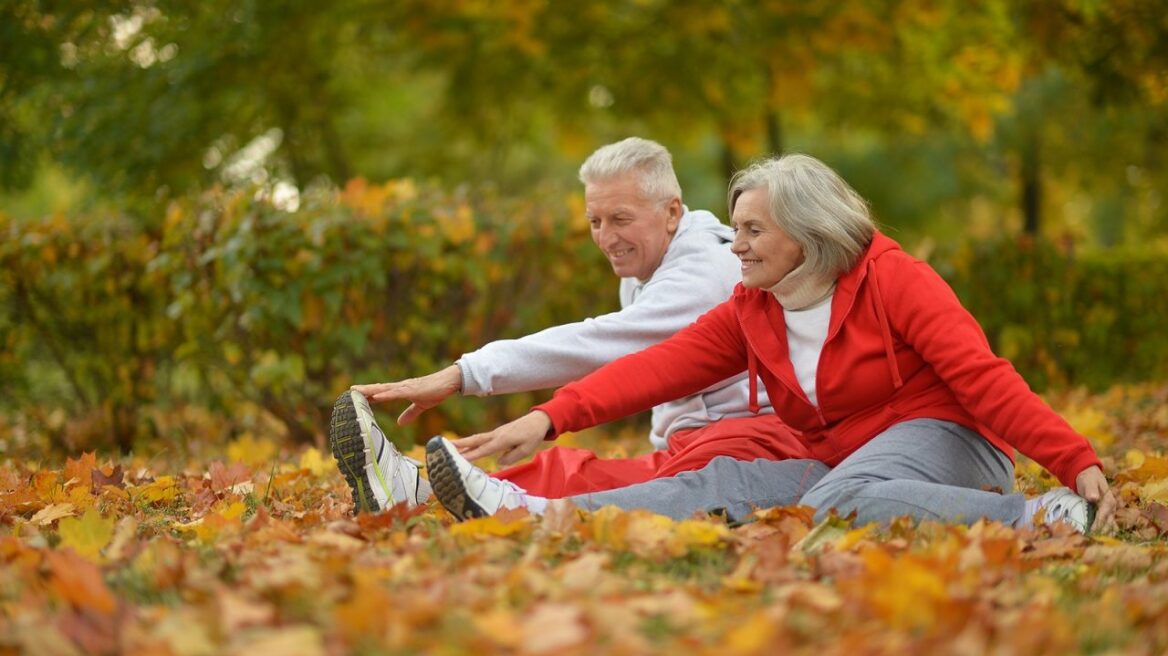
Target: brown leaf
224	477
116	478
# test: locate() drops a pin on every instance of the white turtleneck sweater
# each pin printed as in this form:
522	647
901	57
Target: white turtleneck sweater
807	312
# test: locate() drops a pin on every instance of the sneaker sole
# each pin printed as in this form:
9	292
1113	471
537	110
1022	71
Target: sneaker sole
447	484
348	447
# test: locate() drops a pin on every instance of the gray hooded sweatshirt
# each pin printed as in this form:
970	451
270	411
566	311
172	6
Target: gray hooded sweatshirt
697	273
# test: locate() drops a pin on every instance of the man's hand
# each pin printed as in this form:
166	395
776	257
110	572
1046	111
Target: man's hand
422	393
515	441
1092	486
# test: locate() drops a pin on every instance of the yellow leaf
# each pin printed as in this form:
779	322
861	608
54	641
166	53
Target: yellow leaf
250	451
1155	491
1091	423
88	535
490	526
50	514
313	462
161	489
696	533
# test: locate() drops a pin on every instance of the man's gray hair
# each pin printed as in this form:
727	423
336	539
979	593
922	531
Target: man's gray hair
815	206
647	159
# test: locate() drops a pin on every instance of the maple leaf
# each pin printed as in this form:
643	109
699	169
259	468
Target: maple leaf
52	513
81	469
116	478
87	535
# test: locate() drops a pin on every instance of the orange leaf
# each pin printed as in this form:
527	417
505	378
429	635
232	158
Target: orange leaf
79	582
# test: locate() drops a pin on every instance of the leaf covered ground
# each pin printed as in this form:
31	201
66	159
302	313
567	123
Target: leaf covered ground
248	547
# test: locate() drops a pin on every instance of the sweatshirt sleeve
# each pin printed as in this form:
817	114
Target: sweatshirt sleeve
929	317
699	273
711	349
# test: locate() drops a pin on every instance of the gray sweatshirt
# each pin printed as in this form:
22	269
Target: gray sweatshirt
697	273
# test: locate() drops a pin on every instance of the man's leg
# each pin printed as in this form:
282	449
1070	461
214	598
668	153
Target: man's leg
743	438
735	485
562	472
924	468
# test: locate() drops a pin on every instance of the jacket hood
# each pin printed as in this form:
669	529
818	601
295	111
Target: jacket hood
703	221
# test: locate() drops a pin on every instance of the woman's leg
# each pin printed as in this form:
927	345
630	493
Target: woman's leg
734	485
924	468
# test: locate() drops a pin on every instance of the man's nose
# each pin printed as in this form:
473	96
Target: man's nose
606	235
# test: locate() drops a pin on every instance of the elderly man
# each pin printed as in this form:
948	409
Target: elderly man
674	264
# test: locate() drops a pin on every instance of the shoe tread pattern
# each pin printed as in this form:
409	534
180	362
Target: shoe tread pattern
348	448
447	484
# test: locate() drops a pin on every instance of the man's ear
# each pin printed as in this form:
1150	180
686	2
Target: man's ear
675	210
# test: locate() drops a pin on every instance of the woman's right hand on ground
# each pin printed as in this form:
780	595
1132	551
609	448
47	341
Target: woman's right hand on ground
423	393
1092	486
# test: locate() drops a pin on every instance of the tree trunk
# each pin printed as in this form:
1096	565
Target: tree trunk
1031	184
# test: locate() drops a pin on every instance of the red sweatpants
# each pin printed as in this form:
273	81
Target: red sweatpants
563	472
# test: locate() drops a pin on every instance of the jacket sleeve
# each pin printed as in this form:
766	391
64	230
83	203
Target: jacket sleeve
697	277
926	313
710	350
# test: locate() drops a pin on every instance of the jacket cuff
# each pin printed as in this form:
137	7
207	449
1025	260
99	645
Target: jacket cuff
552	411
468	385
1072	471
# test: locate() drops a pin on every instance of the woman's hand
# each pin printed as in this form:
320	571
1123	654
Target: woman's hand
422	393
515	441
1092	486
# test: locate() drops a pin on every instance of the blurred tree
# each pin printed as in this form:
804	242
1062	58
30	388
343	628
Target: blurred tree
151	98
1091	69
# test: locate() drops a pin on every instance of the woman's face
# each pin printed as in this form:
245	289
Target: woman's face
767	253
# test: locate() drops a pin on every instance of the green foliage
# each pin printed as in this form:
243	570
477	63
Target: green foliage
1084	318
234	300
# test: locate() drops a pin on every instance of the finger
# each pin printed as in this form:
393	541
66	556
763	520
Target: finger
390	392
1105	513
510	457
409	414
516	453
479	448
369	389
471	441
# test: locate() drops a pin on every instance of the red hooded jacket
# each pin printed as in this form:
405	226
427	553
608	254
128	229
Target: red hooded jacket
899	346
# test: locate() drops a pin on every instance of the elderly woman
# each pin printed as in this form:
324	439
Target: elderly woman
863	349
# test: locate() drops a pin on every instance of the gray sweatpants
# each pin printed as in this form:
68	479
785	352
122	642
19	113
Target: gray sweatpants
924	468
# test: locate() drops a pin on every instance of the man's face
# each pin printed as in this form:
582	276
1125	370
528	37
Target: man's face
631	230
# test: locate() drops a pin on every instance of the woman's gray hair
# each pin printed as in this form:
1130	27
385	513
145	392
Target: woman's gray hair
648	159
815	206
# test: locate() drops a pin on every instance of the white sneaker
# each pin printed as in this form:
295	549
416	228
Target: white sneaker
465	490
378	474
1062	505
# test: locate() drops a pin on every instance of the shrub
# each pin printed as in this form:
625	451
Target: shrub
235	300
1091	318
